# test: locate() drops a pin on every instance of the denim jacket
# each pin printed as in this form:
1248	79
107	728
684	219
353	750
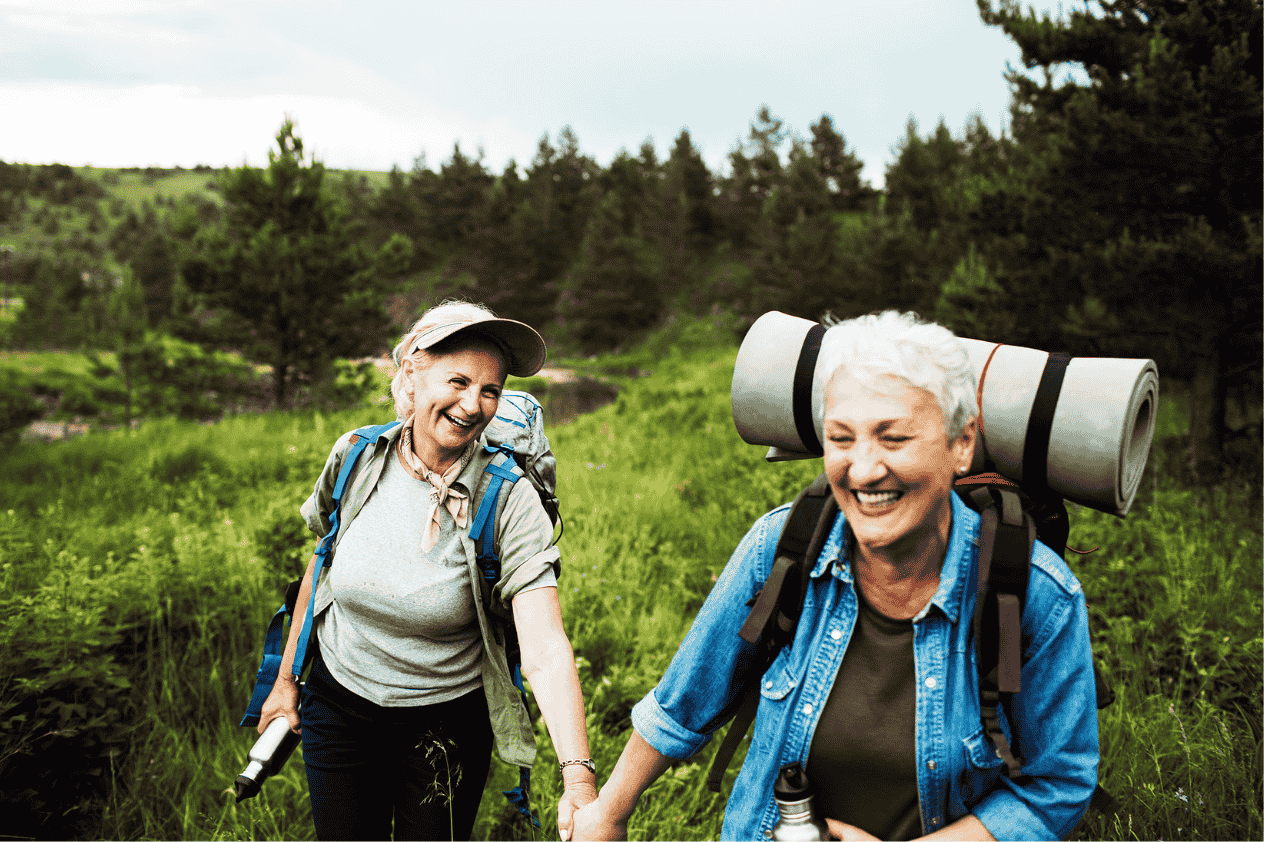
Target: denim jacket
1052	723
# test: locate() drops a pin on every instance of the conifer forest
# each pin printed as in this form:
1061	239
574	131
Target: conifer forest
213	330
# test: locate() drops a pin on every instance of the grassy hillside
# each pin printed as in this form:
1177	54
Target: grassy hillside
137	187
138	569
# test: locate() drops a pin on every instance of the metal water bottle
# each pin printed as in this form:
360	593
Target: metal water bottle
266	757
793	794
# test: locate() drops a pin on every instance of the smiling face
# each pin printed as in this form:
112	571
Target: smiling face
454	398
891	465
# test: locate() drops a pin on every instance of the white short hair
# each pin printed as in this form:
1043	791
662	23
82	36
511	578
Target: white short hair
925	355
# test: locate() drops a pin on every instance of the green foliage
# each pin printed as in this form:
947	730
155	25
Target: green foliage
1138	192
285	281
614	289
138	569
182	379
18	404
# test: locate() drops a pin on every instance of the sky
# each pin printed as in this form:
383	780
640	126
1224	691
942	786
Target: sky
377	83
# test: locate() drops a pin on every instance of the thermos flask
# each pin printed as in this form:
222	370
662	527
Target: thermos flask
793	794
266	757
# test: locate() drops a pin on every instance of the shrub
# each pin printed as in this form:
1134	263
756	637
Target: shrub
18	404
183	380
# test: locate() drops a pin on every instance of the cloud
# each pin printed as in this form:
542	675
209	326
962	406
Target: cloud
167	125
375	83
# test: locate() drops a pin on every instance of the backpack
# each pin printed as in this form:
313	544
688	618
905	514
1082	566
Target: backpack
1010	522
517	435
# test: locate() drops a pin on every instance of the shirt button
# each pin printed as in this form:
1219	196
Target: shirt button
930	764
934	820
836	634
807	708
932	683
767	834
767	685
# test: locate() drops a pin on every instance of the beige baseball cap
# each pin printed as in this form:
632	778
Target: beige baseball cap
522	346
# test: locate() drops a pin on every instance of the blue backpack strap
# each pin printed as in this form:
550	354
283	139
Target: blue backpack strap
482	531
268	668
360	439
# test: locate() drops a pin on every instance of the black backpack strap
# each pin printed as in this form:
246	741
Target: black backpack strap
774	615
741	724
1007	535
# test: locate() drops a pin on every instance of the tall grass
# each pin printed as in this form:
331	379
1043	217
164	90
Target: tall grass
138	569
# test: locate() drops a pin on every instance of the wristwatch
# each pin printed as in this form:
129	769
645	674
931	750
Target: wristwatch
587	764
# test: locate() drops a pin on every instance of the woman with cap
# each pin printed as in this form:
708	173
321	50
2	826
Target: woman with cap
877	697
409	687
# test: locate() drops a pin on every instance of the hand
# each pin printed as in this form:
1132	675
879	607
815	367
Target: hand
847	832
282	701
591	822
574	797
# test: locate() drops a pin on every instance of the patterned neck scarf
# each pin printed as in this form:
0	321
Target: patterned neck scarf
441	494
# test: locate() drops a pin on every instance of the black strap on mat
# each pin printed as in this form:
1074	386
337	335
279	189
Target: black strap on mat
1040	424
801	392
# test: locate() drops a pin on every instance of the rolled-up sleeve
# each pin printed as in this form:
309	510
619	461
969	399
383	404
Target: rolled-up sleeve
317	507
528	558
700	688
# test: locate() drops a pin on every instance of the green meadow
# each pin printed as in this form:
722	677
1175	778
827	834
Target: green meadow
138	570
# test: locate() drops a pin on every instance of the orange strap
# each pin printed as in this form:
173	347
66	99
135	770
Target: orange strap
979	394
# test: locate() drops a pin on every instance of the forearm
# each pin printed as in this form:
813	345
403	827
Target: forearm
548	664
638	767
296	620
555	685
966	828
283	697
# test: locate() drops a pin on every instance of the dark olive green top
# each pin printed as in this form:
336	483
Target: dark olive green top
863	760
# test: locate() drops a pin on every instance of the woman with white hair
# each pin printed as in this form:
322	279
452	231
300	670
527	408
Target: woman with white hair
410	686
877	697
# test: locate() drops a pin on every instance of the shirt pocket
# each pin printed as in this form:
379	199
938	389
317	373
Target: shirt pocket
982	769
780	679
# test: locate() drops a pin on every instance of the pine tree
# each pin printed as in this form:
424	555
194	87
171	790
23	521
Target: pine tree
839	167
689	200
283	280
755	170
614	289
1129	223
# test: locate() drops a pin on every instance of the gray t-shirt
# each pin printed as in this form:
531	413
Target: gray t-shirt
403	628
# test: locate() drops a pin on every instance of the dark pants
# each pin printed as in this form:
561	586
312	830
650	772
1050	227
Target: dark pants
371	767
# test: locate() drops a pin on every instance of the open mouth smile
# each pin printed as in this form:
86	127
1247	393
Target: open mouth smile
877	498
458	422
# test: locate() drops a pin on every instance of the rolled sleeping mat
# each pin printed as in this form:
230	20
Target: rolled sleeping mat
1078	426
